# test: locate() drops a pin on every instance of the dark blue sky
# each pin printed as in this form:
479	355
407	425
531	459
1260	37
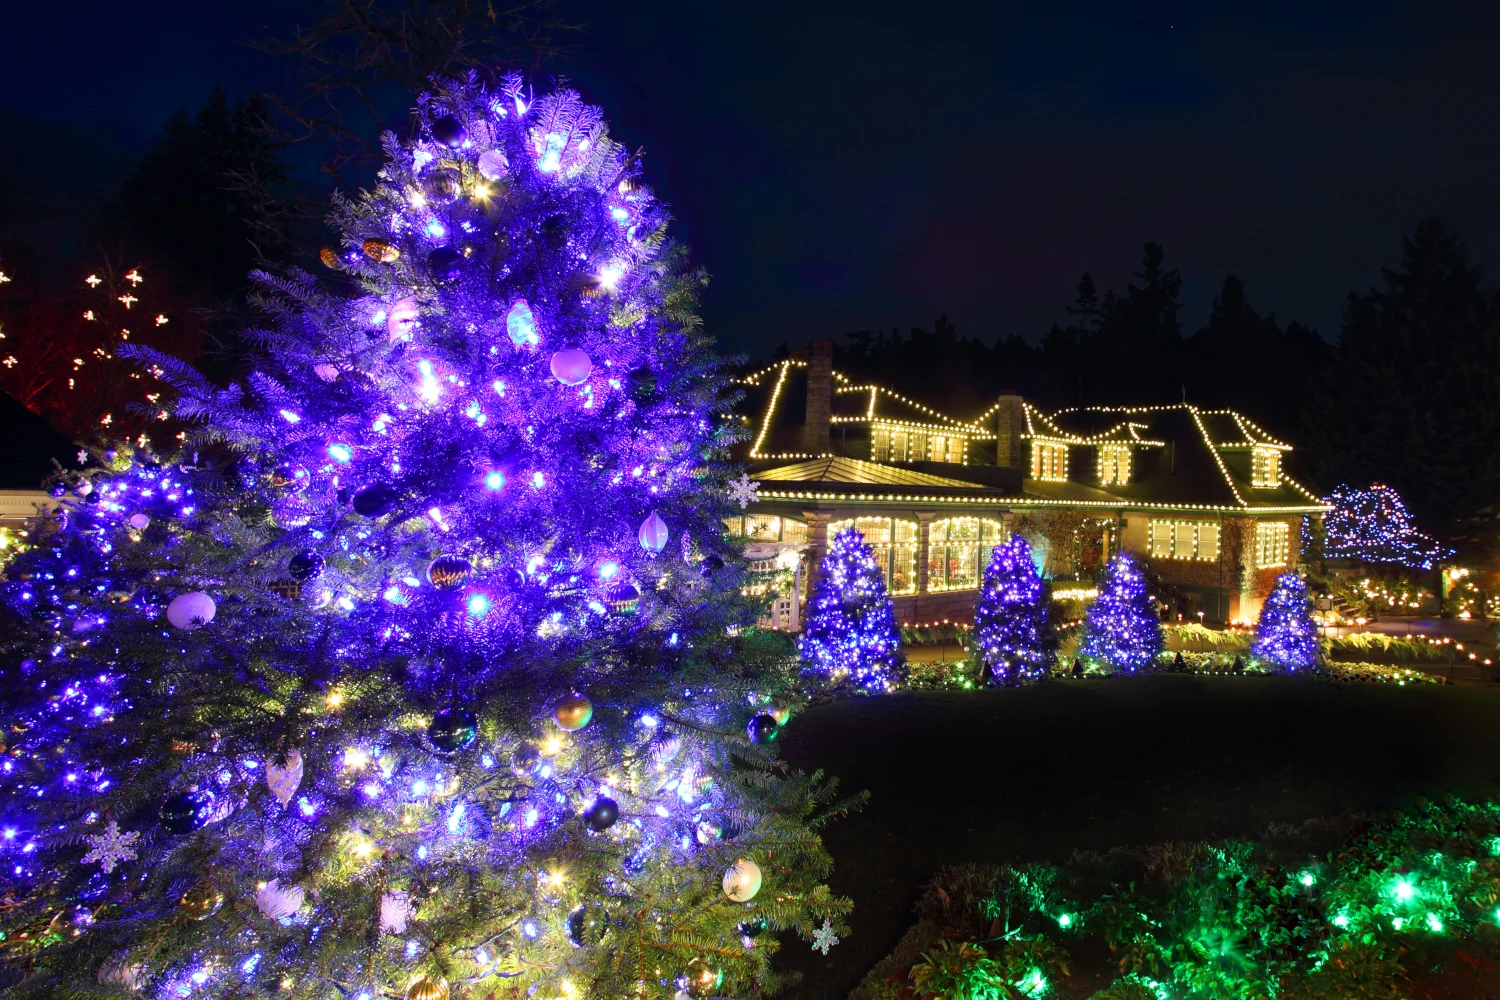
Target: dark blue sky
845	165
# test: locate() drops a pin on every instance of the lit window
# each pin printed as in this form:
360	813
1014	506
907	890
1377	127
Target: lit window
890	443
894	543
1265	466
766	528
1272	543
762	527
958	549
1197	541
1114	464
1049	461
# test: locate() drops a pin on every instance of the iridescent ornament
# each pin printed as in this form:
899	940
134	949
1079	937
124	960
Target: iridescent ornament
571	366
140	522
401	321
449	131
763	728
452	729
284	779
520	325
653	533
395	910
448	571
381	251
602	814
442	187
492	164
742	880
191	610
278	902
290	513
572	712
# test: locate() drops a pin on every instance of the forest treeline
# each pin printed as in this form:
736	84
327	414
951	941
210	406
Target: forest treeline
1407	391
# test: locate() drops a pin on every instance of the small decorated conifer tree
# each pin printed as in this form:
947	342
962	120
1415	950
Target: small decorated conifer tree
388	684
1121	628
1285	633
1010	624
850	636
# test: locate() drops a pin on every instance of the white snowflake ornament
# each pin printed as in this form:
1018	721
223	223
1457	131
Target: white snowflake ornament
744	491
111	847
395	911
824	938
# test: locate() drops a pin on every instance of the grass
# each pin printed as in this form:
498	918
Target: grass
1034	774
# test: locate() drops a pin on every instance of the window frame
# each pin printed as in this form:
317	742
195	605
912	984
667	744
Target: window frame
888	552
975	552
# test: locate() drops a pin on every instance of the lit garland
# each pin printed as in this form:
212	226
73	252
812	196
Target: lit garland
1374	526
850	634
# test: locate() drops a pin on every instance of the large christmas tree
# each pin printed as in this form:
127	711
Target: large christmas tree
403	676
1121	628
1285	633
850	635
1010	623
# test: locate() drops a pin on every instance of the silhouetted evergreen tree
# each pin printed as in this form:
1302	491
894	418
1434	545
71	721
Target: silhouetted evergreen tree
1410	398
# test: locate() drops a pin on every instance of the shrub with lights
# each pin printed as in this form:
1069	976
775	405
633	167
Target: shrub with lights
1011	630
850	637
403	676
1121	630
1285	633
1373	526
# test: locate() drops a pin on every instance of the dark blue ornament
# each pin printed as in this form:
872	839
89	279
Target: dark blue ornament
449	131
763	728
186	811
752	928
376	500
447	572
602	814
445	264
710	565
452	729
305	566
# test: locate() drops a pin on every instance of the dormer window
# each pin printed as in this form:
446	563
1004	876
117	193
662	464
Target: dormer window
1049	461
1265	466
1114	464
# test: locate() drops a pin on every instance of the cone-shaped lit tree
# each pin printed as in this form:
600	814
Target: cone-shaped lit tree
1010	623
385	685
1121	628
850	636
1285	633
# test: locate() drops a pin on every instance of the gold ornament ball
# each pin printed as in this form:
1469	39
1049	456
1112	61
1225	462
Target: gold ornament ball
381	251
427	988
703	979
329	256
201	901
572	712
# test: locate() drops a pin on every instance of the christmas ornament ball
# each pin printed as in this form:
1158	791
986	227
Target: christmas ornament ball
329	256
291	512
763	728
708	831
201	901
428	988
442	187
186	811
492	164
742	880
584	924
449	131
305	566
752	928
525	759
191	610
449	571
602	815
710	565
703	979
572	712
571	366
376	500
381	251
452	729
445	265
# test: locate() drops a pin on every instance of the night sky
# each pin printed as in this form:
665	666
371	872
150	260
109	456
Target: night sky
848	165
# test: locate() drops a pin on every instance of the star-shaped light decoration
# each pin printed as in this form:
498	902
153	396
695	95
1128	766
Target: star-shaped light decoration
744	491
110	847
824	938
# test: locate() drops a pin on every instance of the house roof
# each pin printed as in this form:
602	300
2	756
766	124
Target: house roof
1182	457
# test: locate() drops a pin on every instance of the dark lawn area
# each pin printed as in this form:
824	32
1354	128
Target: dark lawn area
1033	774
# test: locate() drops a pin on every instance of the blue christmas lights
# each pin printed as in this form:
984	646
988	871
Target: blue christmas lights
850	634
1373	526
1121	629
1285	633
1010	622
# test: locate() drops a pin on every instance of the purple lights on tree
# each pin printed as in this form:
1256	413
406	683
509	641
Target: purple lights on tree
850	635
1010	623
1374	526
1121	629
1285	633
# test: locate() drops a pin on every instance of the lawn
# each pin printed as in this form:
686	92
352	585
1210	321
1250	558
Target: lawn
1033	774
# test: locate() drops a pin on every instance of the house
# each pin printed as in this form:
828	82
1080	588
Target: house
1201	497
